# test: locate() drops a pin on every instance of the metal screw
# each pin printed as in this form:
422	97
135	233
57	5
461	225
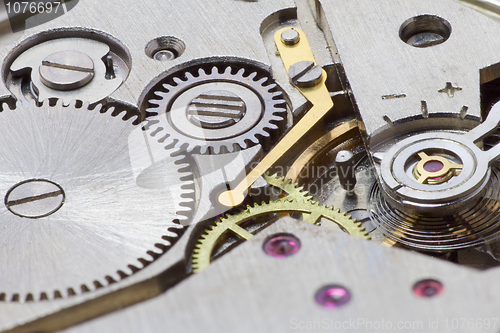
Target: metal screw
346	170
35	198
305	74
428	288
333	296
290	37
282	245
216	109
67	70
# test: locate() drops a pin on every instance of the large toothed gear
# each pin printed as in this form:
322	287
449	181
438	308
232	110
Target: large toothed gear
86	203
314	213
224	110
294	200
291	191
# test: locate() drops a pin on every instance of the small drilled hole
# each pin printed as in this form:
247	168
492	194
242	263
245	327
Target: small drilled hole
425	31
165	48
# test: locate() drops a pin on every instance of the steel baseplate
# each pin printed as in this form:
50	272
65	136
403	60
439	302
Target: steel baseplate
249	166
249	284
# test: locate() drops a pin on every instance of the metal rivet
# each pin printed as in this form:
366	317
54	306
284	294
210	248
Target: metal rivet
305	74
290	37
333	296
66	70
428	288
282	245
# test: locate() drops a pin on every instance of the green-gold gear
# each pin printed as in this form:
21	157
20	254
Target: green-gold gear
312	212
292	190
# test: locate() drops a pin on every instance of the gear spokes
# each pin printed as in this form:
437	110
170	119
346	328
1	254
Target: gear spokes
296	201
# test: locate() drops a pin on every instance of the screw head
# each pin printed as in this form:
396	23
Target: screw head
282	245
333	296
66	70
428	288
34	198
216	109
305	74
290	37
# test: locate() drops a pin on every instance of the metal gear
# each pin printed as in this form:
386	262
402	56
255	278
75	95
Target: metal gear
292	190
82	208
217	112
316	214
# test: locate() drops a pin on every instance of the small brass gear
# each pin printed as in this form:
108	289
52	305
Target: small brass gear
291	191
313	213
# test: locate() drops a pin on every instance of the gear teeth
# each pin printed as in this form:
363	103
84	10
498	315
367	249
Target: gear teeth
15	298
71	292
167	88
59	103
5	106
265	133
293	191
121	114
122	274
98	284
216	150
271	126
143	263
203	149
272	86
110	280
241	72
85	105
166	241
132	269
160	94
278	115
178	80
187	192
156	130
201	255
268	129
262	81
252	76
162	247
84	289
167	140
